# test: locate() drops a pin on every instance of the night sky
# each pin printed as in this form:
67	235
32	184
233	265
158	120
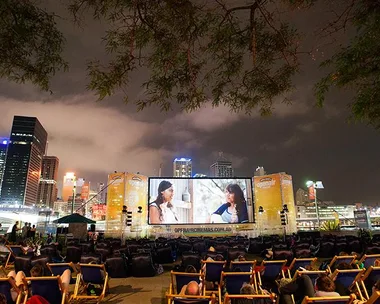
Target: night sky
95	138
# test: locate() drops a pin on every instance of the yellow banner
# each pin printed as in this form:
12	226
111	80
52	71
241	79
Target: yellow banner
288	199
115	200
136	191
268	196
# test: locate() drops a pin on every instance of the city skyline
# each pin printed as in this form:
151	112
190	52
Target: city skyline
94	138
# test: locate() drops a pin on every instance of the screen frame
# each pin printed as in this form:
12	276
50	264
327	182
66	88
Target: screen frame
250	202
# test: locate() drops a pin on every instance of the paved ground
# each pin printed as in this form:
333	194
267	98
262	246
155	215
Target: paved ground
139	290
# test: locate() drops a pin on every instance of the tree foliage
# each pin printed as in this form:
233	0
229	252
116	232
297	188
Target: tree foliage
241	56
357	66
30	44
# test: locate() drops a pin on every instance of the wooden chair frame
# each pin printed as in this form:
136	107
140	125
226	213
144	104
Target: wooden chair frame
237	263
173	282
363	278
65	295
253	280
272	262
12	254
340	257
227	297
81	283
329	300
13	285
74	271
365	256
170	297
295	260
374	298
356	283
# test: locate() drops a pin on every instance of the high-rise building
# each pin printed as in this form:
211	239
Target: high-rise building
182	167
222	168
47	189
3	154
22	171
101	193
69	181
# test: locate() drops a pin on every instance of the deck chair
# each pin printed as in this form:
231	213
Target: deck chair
175	299
14	251
351	279
6	284
313	274
374	299
212	271
272	270
370	277
297	263
272	297
179	279
59	268
369	260
95	274
349	259
330	300
233	281
245	266
50	288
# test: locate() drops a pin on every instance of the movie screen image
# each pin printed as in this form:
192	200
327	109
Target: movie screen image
200	201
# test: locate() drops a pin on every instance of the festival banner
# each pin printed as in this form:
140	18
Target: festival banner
136	200
115	200
312	193
268	195
85	193
288	199
99	212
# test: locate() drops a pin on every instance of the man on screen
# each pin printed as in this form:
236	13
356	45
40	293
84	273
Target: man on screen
161	211
234	210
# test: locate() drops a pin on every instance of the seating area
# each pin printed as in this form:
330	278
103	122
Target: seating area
100	269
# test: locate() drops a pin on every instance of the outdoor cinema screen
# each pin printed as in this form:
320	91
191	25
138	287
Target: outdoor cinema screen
200	201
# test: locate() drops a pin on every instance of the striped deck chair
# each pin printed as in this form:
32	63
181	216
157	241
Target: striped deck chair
330	300
50	288
14	251
94	274
297	263
245	266
313	274
369	260
349	259
59	268
6	284
370	277
180	279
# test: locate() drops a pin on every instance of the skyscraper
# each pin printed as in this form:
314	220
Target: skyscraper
47	189
69	182
24	159
3	154
182	167
222	167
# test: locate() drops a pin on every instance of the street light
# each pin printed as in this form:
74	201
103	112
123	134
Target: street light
315	186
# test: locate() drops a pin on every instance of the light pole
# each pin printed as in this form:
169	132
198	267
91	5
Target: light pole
261	211
315	186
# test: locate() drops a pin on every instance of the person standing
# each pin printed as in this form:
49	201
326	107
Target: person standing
24	231
14	231
28	235
33	232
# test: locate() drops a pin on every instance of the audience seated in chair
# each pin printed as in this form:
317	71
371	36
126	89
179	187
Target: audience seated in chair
302	286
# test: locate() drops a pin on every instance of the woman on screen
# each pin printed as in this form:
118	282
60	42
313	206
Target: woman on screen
161	211
234	210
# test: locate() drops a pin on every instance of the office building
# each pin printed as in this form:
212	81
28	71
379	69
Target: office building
47	190
3	154
22	171
221	168
69	184
182	167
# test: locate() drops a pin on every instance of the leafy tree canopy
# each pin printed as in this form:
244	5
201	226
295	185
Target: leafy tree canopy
240	54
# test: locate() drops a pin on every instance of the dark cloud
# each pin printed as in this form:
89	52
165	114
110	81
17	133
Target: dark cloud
95	138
